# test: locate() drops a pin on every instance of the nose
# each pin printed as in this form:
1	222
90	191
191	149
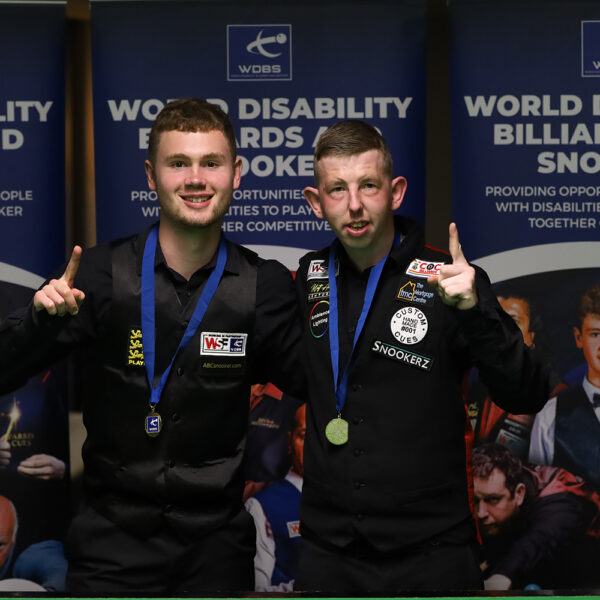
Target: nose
354	202
195	176
482	512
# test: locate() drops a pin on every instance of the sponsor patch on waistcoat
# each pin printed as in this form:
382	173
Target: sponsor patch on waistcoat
135	350
213	343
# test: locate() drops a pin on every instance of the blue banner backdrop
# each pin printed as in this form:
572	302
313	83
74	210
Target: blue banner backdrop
33	420
525	135
525	94
282	71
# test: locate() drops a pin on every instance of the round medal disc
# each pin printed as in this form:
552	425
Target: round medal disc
153	423
337	431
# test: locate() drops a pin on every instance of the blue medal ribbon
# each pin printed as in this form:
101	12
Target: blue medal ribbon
148	310
341	387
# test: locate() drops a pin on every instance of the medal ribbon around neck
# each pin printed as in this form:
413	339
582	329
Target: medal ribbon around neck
148	310
337	429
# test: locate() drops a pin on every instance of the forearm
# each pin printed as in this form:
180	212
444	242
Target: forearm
555	521
29	342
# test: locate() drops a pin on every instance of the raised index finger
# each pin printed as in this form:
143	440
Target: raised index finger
454	245
71	270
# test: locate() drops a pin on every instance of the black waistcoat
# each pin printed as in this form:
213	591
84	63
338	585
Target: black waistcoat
190	476
577	435
402	476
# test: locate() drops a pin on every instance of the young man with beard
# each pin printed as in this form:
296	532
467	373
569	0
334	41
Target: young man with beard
177	323
385	503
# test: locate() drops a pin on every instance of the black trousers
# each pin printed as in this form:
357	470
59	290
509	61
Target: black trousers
106	560
430	567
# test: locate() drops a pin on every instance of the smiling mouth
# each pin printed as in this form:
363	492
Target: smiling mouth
196	199
357	225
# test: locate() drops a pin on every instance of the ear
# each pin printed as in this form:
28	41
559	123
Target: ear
398	190
312	197
150	175
520	493
237	173
577	336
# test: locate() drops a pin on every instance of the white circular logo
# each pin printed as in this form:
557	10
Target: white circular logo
409	325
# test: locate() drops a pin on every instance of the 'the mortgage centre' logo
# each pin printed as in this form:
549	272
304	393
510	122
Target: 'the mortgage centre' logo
590	48
259	52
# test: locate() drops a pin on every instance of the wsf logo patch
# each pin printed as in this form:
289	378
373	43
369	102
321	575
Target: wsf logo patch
259	52
223	344
590	48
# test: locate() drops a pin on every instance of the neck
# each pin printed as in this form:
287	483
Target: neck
187	249
364	258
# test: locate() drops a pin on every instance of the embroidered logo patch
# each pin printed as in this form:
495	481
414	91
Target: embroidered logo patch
423	268
318	291
223	344
409	325
415	292
317	269
402	355
135	352
318	319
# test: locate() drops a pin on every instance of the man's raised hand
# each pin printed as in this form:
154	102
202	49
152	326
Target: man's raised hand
455	282
59	297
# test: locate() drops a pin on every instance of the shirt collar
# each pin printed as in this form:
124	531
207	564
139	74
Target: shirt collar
295	480
589	388
232	266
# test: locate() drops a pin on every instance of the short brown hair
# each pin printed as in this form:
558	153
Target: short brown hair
348	138
191	114
488	457
589	303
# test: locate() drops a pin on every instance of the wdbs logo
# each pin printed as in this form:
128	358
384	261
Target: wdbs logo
590	48
259	52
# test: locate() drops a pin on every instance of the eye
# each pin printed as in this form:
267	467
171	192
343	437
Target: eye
178	164
212	164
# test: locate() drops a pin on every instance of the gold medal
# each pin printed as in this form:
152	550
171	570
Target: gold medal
337	431
153	422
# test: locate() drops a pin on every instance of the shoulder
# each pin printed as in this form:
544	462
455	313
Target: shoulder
272	271
243	253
